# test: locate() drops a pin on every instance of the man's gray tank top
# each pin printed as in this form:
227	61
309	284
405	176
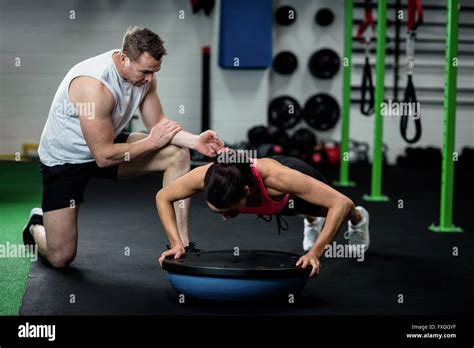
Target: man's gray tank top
62	140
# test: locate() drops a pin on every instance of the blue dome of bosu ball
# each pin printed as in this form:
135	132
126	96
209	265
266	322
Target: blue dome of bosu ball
248	275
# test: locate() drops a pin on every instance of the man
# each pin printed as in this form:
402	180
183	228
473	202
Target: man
82	139
278	185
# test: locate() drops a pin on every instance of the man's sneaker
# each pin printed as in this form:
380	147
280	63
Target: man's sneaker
359	234
311	232
35	218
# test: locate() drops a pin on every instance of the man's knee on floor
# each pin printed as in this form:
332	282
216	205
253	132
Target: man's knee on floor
61	258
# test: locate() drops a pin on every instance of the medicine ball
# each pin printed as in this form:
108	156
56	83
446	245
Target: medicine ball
285	15
258	135
284	112
285	63
304	140
321	112
279	137
324	17
324	63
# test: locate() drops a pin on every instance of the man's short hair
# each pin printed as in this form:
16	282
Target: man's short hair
138	40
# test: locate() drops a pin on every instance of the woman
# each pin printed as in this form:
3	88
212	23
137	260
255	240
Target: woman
278	185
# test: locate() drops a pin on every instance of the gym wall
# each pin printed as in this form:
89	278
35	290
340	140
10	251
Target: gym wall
49	43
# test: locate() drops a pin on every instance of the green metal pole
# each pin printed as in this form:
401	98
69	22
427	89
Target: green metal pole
450	89
376	183
346	96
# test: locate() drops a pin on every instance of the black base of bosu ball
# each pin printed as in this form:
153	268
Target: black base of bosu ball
231	275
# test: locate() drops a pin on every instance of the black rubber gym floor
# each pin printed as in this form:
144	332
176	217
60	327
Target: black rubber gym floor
404	257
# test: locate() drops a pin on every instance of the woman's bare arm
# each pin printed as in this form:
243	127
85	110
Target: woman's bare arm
287	180
182	188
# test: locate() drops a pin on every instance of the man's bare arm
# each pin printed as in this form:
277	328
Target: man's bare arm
97	128
153	114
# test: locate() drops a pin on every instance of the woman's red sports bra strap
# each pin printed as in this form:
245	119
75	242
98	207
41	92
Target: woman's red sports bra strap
268	206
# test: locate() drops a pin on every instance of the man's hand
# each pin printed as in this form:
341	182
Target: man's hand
177	251
208	143
310	259
162	133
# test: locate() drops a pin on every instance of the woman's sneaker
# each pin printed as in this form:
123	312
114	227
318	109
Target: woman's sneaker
35	218
359	234
311	232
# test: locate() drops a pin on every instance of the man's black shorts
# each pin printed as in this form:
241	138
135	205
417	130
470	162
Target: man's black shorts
296	205
64	185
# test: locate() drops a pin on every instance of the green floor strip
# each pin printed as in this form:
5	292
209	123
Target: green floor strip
20	190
